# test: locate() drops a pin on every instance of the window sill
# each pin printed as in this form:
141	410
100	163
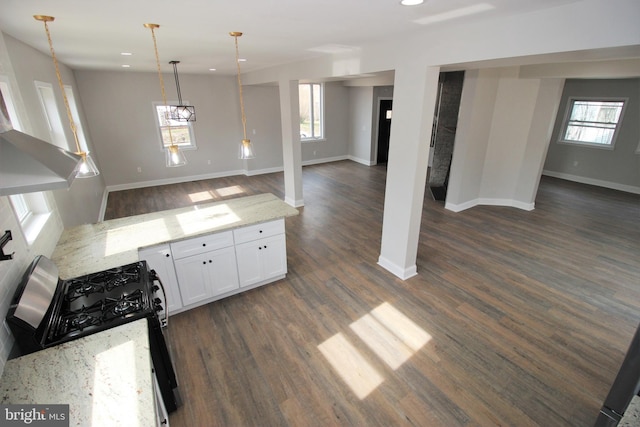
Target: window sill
586	144
313	140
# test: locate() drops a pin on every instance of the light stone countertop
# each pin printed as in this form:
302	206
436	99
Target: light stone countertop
105	378
631	416
97	247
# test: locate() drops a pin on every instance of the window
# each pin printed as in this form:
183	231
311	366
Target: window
181	132
311	111
51	114
32	212
593	122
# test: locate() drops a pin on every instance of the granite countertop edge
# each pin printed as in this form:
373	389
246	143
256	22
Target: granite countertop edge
90	248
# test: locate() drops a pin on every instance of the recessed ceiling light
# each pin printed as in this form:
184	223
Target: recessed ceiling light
125	65
126	53
212	69
411	2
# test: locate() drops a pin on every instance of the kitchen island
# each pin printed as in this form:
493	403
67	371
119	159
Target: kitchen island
96	247
105	378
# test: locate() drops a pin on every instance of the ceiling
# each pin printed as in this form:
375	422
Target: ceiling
92	34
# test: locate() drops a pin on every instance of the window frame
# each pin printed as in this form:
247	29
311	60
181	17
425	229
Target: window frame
567	120
32	210
51	115
192	145
312	112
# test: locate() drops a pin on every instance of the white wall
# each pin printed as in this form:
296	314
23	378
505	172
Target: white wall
361	124
503	132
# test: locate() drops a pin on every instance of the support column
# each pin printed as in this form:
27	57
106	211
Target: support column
291	149
414	97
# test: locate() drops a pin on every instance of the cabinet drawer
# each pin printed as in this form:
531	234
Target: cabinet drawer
199	245
258	231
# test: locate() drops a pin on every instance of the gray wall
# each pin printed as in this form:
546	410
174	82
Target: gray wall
81	203
119	111
617	168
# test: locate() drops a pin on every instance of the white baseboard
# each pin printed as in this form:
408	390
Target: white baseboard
177	180
361	161
402	273
490	202
591	181
324	160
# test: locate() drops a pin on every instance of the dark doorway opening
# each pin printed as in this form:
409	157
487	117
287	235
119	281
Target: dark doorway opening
384	130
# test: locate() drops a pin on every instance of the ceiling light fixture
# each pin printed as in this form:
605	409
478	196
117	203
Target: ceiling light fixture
174	156
86	167
181	112
411	2
246	149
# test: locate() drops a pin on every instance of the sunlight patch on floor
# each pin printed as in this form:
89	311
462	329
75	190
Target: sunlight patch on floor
230	191
391	335
201	196
352	367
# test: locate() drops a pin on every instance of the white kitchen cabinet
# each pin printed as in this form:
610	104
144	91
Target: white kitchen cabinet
261	259
160	259
208	274
203	269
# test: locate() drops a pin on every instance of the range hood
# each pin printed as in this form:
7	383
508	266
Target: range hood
28	164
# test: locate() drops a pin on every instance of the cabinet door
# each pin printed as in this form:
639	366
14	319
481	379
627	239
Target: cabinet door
249	259
159	258
223	271
274	257
193	276
261	259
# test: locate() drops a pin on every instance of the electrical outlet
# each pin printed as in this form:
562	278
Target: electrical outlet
139	169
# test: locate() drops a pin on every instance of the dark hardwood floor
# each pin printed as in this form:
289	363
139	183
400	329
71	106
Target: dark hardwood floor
515	318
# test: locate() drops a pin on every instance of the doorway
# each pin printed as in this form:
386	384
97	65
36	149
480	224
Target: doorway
384	129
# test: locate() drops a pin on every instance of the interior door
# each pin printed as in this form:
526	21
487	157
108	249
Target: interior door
384	130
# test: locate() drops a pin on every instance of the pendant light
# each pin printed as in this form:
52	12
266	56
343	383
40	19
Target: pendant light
86	167
181	112
174	156
246	149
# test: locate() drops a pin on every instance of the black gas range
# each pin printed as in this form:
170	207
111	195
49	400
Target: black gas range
47	311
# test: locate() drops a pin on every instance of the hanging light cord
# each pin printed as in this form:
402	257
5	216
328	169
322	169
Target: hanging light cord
164	96
72	124
175	74
244	119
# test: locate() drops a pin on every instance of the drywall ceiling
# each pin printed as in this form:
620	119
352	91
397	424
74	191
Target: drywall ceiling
92	35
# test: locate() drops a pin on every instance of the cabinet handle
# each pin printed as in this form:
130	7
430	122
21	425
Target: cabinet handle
167	255
204	262
260	231
265	246
210	261
259	248
204	244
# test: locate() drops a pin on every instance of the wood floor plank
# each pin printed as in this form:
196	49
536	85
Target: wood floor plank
528	313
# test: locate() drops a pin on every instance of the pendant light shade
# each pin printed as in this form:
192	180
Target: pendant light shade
246	149
181	112
174	156
86	168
